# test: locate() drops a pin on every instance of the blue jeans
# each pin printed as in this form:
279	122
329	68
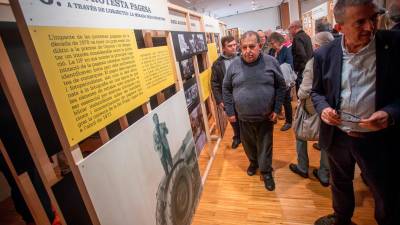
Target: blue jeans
302	161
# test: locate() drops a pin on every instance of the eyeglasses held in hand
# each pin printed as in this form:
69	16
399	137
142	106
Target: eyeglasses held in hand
347	117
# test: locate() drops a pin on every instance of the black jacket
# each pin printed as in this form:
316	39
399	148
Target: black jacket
218	71
302	51
327	83
396	26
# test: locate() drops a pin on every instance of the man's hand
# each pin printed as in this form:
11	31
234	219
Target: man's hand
377	121
272	116
330	116
232	119
221	105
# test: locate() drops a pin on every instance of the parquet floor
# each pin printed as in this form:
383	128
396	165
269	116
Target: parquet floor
230	197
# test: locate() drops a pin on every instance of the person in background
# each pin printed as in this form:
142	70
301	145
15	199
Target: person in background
288	41
283	55
394	14
336	31
255	87
301	168
263	40
218	71
301	49
355	90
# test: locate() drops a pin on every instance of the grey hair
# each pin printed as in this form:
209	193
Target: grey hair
394	12
297	24
341	5
249	34
323	38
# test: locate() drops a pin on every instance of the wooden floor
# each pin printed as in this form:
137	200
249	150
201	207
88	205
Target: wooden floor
230	197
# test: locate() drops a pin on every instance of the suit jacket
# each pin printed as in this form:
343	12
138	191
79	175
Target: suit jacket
327	83
302	51
396	26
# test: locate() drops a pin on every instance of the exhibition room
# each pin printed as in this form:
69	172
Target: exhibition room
199	112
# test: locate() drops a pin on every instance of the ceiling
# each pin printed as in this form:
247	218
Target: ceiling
223	8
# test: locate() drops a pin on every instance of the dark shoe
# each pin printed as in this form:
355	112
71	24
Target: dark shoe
331	219
235	143
252	169
286	126
269	182
316	146
294	169
315	173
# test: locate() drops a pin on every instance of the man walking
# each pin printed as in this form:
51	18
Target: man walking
255	87
218	72
301	50
355	90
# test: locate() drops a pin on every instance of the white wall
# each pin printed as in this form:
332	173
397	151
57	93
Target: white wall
263	19
293	10
310	4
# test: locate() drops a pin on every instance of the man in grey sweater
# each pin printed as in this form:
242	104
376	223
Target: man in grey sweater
254	82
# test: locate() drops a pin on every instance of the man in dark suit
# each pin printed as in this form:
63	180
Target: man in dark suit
218	71
355	91
301	49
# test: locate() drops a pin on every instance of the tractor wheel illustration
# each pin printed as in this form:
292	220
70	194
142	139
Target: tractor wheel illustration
179	196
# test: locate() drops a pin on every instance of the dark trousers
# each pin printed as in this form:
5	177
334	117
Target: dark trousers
236	128
287	105
371	157
256	138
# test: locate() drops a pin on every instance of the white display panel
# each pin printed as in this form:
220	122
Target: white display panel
137	14
125	177
178	21
211	25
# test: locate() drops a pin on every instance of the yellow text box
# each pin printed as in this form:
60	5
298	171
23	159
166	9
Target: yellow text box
212	52
156	66
205	85
93	75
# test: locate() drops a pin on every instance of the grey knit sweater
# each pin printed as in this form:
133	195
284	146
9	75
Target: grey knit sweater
254	89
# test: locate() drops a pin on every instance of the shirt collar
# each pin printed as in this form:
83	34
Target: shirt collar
369	47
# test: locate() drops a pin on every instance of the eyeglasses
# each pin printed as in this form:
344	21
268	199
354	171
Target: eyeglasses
348	117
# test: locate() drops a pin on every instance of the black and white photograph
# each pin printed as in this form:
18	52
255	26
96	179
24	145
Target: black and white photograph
198	128
187	69
187	44
191	94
